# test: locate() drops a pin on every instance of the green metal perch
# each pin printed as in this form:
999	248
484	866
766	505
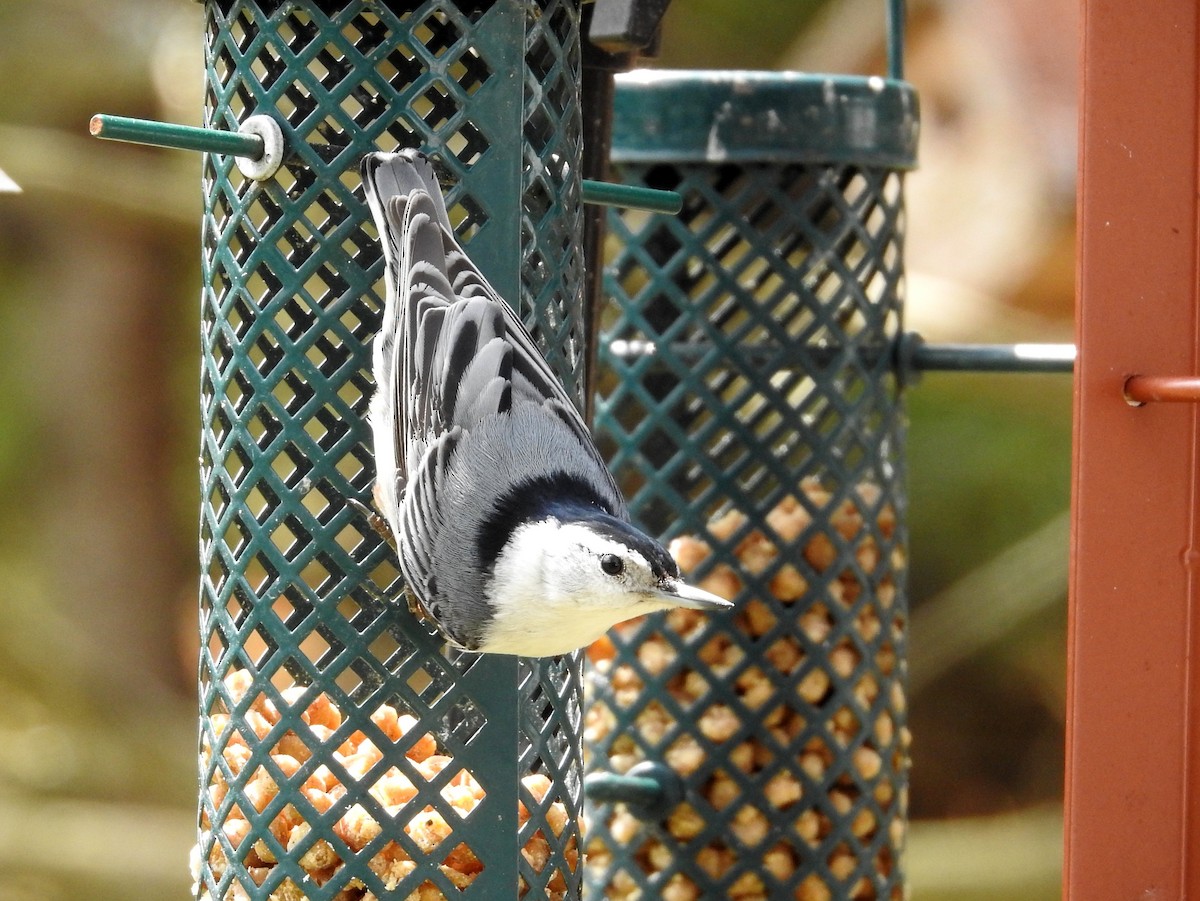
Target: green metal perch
251	145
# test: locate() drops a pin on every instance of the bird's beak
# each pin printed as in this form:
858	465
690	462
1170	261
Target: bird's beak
680	594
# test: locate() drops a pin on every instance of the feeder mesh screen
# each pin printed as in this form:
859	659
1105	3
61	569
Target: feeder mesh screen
749	409
345	752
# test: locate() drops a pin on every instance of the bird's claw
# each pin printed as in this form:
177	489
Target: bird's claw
415	607
377	522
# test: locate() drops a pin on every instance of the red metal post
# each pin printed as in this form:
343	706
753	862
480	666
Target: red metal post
1133	735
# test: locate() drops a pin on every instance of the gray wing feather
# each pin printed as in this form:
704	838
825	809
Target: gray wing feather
486	384
424	519
431	267
529	363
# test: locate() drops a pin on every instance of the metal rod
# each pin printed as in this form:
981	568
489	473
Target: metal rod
651	789
1179	389
992	357
211	140
603	193
180	137
913	354
895	39
606	788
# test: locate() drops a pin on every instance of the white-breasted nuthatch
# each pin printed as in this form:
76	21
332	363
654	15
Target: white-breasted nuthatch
512	535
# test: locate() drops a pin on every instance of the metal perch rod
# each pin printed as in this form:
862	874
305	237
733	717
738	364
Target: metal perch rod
912	353
209	140
180	137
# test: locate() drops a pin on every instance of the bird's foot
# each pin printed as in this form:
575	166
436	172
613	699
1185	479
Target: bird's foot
377	522
415	607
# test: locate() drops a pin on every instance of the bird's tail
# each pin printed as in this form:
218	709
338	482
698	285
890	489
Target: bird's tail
388	175
403	194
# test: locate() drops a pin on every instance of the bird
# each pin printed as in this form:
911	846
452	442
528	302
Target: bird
511	533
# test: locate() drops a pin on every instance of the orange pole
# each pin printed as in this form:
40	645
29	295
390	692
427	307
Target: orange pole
1133	732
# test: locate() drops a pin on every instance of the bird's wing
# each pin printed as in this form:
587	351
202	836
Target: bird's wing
532	379
422	545
403	173
432	274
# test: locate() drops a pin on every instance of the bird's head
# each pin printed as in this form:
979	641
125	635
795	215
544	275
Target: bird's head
569	580
608	562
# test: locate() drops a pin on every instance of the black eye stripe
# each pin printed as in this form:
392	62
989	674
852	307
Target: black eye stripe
612	564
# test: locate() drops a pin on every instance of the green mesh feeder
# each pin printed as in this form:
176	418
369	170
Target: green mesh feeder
750	407
345	753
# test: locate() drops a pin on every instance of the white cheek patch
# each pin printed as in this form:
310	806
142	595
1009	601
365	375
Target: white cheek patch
548	581
637	575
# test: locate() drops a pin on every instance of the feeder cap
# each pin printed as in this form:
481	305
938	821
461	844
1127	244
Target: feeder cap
698	116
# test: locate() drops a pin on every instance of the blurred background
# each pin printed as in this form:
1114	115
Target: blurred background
99	361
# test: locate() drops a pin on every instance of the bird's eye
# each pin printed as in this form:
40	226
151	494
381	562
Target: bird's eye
612	564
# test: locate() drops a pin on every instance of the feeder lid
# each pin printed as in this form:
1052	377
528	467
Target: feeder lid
678	115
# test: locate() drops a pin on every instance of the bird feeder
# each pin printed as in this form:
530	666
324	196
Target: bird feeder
345	752
750	404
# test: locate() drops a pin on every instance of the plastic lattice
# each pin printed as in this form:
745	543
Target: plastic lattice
749	410
345	753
